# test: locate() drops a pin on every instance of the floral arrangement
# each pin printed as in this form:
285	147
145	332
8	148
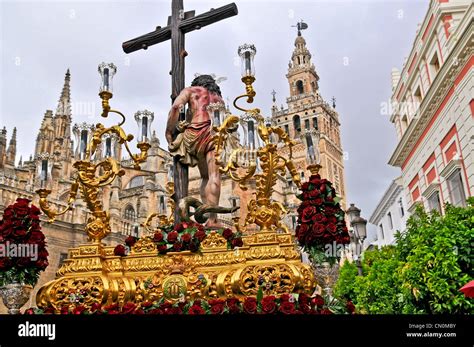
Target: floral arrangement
185	236
320	220
285	304
23	253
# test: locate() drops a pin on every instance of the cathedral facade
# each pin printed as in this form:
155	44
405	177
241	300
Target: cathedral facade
132	197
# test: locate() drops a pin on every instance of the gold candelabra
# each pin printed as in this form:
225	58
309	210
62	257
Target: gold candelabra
262	211
163	219
92	175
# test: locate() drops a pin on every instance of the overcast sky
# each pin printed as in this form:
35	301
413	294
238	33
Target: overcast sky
354	45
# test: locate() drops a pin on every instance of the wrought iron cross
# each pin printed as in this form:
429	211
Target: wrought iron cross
179	23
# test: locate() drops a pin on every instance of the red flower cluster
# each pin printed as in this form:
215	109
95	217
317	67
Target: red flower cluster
184	236
285	304
233	239
22	243
320	217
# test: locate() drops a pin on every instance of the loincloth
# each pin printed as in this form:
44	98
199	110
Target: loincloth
193	144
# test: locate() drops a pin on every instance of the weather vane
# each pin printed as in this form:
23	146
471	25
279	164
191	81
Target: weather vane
300	26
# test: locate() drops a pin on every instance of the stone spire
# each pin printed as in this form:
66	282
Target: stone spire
11	152
274	105
3	147
64	104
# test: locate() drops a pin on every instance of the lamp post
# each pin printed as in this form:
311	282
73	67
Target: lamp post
358	234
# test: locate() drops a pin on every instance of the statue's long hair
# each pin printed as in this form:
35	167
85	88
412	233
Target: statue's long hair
207	82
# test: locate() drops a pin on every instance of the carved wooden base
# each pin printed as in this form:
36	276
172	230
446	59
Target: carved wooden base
93	274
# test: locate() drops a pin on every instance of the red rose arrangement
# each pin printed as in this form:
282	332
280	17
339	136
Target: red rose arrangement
185	236
23	253
267	305
320	220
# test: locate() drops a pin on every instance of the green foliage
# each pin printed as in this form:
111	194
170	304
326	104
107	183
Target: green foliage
422	273
344	287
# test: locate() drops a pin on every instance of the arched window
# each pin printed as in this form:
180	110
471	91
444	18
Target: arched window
315	123
136	181
297	123
130	214
300	87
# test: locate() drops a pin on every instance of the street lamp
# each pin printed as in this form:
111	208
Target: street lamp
358	234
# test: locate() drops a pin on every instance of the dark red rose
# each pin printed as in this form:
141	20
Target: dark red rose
49	310
250	305
177	246
332	220
172	237
329	199
308	212
64	310
179	227
326	311
318	201
166	307
305	186
23	262
194	245
176	310
120	250
227	233
35	237
314	193
315	179
269	304
234	305
146	304
322	187
19	232
158	237
112	309
186	237
287	307
196	309
350	307
318	230
217	306
29	311
285	297
5	263
317	301
332	229
129	308
318	218
162	248
79	310
302	229
22	202
237	242
200	235
130	241
186	225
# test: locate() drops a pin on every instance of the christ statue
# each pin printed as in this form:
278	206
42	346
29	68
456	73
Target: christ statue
194	145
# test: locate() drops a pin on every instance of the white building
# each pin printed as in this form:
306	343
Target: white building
433	115
390	215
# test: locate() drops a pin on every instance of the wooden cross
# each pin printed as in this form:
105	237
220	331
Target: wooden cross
179	23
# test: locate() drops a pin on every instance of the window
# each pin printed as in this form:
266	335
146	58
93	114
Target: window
417	99
315	123
297	123
129	214
299	87
390	220
404	123
402	211
434	66
135	230
62	258
456	189
434	203
287	129
306	124
381	231
136	181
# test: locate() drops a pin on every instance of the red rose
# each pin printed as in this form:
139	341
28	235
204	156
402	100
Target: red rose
96	307
318	201
129	308
250	305
227	233
78	310
5	263
19	232
305	186
176	310
269	304
314	193
318	230
285	297
332	229
162	248
29	311
196	309
322	187
287	307
158	237
234	305
64	310
217	306
200	235
194	246
350	307
172	237
112	309
120	250
186	237
177	246
179	227
237	242
318	218
317	301
130	241
326	311
315	179
308	212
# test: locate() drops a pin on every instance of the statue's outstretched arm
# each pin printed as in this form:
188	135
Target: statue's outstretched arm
173	115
